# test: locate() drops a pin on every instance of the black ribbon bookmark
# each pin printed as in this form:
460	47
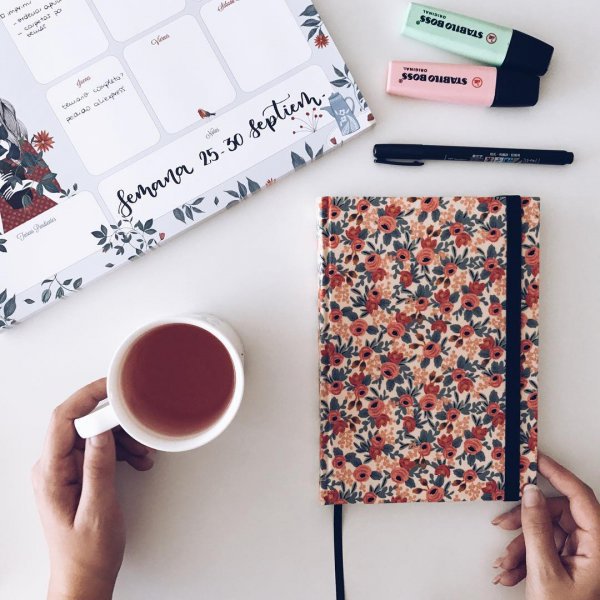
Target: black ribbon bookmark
512	450
340	593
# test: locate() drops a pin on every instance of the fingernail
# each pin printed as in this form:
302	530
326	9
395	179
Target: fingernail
531	496
101	440
498	520
498	562
496	579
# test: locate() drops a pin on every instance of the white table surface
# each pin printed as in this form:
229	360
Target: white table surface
240	518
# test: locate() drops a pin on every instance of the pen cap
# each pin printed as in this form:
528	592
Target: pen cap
526	53
516	89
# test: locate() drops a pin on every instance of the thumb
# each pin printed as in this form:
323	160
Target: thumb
541	553
98	487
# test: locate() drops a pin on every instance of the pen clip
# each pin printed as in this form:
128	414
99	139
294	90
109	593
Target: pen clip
398	162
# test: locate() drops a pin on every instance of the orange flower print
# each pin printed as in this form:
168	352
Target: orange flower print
321	40
370	498
452	414
425	256
339	462
373	262
409	424
431	350
470	476
42	141
386	224
442	471
450	269
376	408
389	370
362	473
402	254
498	453
399	475
429	204
359	327
435	494
469	301
473	446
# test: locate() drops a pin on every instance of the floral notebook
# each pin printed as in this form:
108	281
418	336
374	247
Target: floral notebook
123	124
429	345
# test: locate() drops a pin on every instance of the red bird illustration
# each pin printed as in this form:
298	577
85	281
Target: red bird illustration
205	114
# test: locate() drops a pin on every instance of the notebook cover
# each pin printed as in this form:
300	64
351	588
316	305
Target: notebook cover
413	333
124	124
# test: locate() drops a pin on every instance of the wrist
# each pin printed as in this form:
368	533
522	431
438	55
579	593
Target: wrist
79	586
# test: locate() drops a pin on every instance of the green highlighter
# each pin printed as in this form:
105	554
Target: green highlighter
482	41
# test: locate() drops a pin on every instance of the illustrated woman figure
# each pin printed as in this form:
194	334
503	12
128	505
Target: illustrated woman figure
20	200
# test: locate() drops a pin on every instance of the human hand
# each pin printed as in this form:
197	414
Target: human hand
559	549
74	485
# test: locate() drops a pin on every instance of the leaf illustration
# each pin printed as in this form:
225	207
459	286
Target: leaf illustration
243	189
77	283
178	214
309	11
29	301
297	161
340	83
46	294
252	186
10	307
311	23
309	151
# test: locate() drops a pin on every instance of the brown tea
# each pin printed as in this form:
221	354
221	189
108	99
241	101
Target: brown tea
177	379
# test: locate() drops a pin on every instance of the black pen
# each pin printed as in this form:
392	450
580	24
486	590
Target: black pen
412	155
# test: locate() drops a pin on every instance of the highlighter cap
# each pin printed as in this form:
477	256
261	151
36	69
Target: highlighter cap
516	89
528	54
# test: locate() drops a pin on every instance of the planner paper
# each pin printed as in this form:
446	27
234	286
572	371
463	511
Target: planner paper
124	123
428	390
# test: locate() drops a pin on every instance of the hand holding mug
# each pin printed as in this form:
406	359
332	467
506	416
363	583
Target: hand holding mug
74	484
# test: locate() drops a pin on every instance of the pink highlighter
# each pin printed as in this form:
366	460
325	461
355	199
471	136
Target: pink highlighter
462	84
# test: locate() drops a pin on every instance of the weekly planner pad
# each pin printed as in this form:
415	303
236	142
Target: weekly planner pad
124	123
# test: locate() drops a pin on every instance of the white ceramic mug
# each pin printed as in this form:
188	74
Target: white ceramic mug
114	411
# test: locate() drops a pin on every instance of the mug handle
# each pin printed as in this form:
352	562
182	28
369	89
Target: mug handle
348	99
102	419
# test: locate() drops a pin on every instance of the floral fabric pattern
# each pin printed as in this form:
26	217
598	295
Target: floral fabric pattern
412	348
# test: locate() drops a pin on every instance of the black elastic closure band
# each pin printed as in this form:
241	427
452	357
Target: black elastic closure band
340	592
512	449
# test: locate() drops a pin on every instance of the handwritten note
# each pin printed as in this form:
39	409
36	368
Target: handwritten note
54	36
103	115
